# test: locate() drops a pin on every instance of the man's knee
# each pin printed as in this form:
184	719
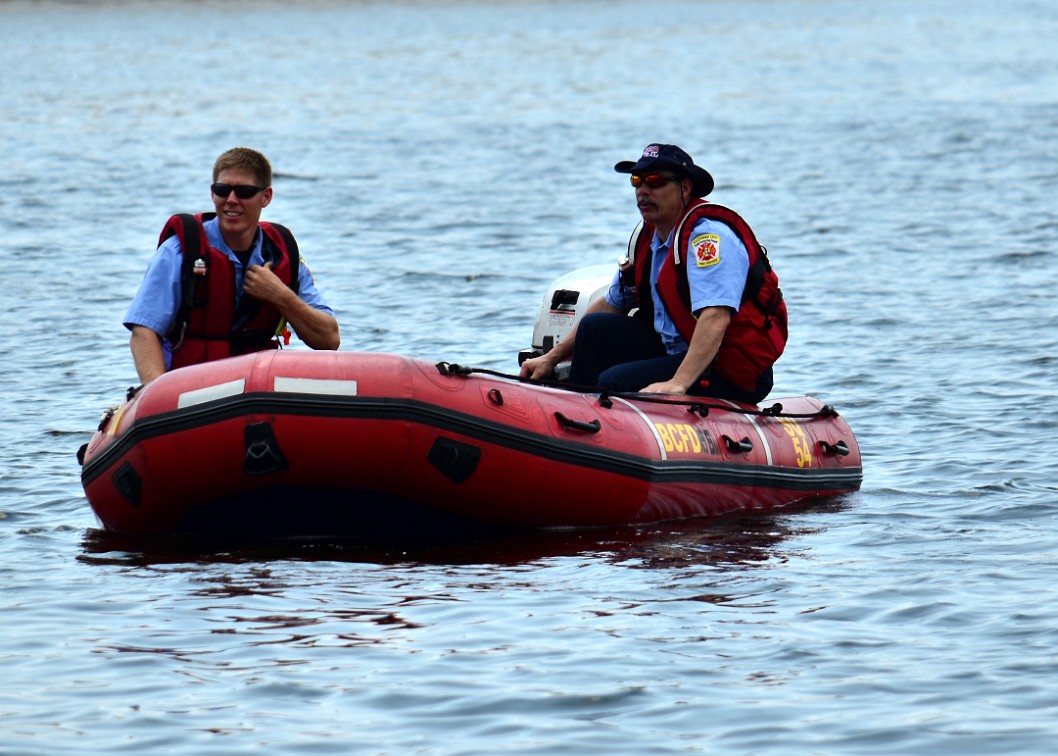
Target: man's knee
600	324
618	378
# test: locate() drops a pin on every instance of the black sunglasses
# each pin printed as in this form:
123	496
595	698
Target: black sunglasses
242	191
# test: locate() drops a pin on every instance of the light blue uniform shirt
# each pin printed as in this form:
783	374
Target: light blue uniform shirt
719	284
157	301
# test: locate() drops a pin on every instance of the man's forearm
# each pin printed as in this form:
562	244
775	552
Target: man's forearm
147	355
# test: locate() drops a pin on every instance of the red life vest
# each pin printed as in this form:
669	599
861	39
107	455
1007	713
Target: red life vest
756	335
205	326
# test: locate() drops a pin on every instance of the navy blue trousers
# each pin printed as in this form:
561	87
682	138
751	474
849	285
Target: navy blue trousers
619	353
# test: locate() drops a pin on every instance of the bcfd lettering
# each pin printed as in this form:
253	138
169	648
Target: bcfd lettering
802	449
679	437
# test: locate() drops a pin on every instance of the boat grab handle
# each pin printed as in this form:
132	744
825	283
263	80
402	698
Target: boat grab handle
593	427
745	445
840	449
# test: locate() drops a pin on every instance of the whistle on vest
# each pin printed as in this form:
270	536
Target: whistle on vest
627	269
198	282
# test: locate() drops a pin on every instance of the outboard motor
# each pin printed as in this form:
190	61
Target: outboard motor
563	307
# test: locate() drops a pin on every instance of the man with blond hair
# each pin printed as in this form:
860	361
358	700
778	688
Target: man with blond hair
226	283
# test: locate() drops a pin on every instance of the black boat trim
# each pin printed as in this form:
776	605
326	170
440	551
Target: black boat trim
471	426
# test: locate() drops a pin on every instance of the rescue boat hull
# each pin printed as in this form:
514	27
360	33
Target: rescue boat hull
345	444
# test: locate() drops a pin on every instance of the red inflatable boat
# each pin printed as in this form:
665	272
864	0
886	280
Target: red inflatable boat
345	444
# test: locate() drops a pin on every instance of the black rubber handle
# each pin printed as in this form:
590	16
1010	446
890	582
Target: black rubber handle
593	427
745	445
840	448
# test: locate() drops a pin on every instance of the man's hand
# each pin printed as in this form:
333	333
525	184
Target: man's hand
664	387
261	283
540	368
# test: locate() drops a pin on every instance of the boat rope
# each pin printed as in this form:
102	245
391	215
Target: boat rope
694	405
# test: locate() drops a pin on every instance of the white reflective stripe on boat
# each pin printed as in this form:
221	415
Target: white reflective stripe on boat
209	393
763	439
330	386
650	424
760	434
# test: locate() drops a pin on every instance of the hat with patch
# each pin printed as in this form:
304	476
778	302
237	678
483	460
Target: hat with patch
660	157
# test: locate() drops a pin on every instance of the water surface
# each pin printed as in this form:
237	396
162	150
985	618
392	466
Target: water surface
441	163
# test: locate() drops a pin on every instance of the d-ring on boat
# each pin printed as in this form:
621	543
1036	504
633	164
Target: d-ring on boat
346	444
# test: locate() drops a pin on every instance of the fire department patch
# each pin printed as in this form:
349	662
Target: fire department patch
706	250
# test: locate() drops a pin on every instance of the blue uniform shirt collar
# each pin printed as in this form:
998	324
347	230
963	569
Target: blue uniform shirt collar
216	240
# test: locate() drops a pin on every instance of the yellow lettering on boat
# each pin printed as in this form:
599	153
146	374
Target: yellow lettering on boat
802	449
665	437
679	437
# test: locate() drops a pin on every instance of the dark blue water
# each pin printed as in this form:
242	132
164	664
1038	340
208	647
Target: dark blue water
441	163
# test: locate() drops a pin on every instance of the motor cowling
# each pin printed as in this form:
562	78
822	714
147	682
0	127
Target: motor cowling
564	304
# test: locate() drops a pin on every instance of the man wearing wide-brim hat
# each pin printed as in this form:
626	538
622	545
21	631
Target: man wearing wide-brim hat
708	316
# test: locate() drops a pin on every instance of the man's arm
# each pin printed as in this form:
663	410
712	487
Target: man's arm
316	328
705	343
147	354
542	367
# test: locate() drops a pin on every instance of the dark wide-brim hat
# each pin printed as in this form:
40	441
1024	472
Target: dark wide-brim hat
669	157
